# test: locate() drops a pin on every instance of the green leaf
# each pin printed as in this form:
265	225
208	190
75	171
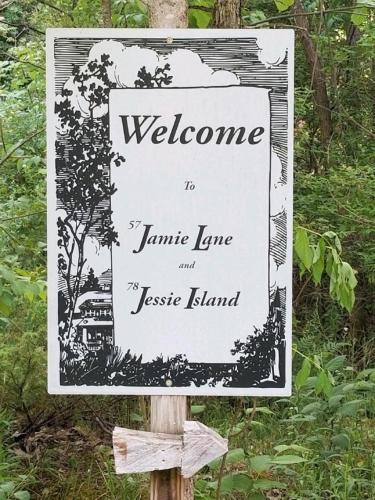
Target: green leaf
267	484
215	464
359	16
346	296
287	460
364	385
255	16
334	401
312	408
303	374
260	463
341	441
338	244
7	487
256	423
330	235
197	409
323	384
5	308
335	255
301	418
351	408
236	482
281	447
283	4
302	247
296	447
336	363
199	18
310	383
238	427
235	456
318	261
261	409
367	372
22	495
348	274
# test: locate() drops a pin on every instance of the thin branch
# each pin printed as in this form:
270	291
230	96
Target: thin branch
13	238
51	6
26	26
23	216
349	117
6	5
357	218
99	421
221	474
248	421
31	249
18	145
202	7
22	61
343	10
2	136
288	26
295	301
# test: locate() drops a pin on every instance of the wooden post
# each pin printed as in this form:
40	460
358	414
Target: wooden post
168	414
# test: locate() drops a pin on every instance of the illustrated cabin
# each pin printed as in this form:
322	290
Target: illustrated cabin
93	319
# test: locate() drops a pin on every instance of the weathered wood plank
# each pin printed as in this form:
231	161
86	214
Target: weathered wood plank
139	451
201	445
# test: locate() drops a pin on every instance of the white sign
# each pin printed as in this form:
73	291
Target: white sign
170	208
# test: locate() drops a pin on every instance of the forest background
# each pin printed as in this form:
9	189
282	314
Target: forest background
318	443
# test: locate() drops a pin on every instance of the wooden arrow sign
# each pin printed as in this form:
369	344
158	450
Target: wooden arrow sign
140	451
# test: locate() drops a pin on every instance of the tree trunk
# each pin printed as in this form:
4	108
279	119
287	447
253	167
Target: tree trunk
227	14
167	13
107	13
318	77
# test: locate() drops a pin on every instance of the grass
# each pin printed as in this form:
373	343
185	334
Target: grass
72	457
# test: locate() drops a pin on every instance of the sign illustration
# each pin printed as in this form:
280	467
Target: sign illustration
170	211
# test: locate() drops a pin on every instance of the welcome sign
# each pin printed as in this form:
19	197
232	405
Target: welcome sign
170	206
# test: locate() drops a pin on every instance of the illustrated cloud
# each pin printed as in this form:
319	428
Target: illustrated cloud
270	53
186	68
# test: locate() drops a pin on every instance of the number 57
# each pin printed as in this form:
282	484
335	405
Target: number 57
133	224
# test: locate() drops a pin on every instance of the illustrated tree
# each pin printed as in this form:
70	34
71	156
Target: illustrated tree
91	283
257	352
159	79
83	157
